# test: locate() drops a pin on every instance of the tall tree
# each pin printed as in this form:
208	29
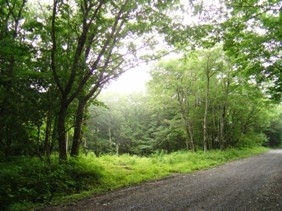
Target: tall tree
218	106
19	82
212	62
174	85
252	35
92	43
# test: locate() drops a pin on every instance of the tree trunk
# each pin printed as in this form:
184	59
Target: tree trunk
78	128
189	136
54	135
205	115
221	128
223	115
62	132
47	139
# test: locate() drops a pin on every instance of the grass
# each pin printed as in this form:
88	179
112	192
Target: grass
29	182
126	170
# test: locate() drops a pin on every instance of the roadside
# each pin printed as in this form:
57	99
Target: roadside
253	183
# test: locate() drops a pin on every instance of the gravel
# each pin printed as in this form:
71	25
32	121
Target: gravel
253	183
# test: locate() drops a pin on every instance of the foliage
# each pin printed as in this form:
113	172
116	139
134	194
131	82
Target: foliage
183	96
120	128
274	131
252	35
56	58
27	182
214	103
30	181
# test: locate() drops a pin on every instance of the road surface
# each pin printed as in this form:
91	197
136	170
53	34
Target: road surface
253	183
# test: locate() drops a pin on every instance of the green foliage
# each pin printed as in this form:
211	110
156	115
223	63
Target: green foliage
26	182
252	36
274	131
205	89
21	104
171	116
125	170
121	128
30	180
53	65
55	59
251	139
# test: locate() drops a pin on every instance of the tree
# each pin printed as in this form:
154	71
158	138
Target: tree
216	105
174	85
63	54
90	44
274	132
126	124
21	108
253	37
249	30
212	62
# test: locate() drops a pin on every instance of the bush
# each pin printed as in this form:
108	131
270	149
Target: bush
29	180
251	140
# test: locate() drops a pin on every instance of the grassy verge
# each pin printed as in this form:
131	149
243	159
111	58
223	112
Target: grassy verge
26	182
126	170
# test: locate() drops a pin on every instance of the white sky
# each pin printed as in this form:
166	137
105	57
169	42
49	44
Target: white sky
133	80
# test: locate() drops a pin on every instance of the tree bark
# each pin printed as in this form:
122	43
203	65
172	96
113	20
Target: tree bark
189	132
62	132
206	113
221	127
77	137
47	139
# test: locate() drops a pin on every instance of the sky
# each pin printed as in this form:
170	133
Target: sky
134	80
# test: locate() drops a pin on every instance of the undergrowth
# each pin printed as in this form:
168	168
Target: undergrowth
28	182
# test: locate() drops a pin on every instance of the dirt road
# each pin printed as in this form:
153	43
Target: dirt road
249	184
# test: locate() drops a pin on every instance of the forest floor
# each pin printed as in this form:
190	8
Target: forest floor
253	183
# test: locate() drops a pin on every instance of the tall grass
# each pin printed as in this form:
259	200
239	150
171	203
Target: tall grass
27	182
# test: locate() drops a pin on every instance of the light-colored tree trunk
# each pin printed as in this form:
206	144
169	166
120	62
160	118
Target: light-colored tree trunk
205	132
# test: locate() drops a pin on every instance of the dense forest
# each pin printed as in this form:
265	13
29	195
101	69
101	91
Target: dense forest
196	103
216	82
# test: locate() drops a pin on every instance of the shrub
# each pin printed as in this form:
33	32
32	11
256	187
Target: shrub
251	140
29	180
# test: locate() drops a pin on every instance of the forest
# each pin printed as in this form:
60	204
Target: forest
216	84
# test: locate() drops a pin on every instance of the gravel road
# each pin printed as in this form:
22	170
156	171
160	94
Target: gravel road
253	183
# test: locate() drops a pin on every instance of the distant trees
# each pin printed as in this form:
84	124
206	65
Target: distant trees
197	103
212	99
274	131
124	126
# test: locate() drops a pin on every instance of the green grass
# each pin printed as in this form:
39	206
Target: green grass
26	182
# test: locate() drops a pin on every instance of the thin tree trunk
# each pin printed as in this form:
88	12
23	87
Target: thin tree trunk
187	140
47	139
54	134
205	116
224	114
190	130
222	126
62	132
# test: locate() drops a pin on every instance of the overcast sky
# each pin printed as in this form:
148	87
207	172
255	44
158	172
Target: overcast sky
133	80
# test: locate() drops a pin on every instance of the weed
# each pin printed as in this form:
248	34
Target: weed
25	181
